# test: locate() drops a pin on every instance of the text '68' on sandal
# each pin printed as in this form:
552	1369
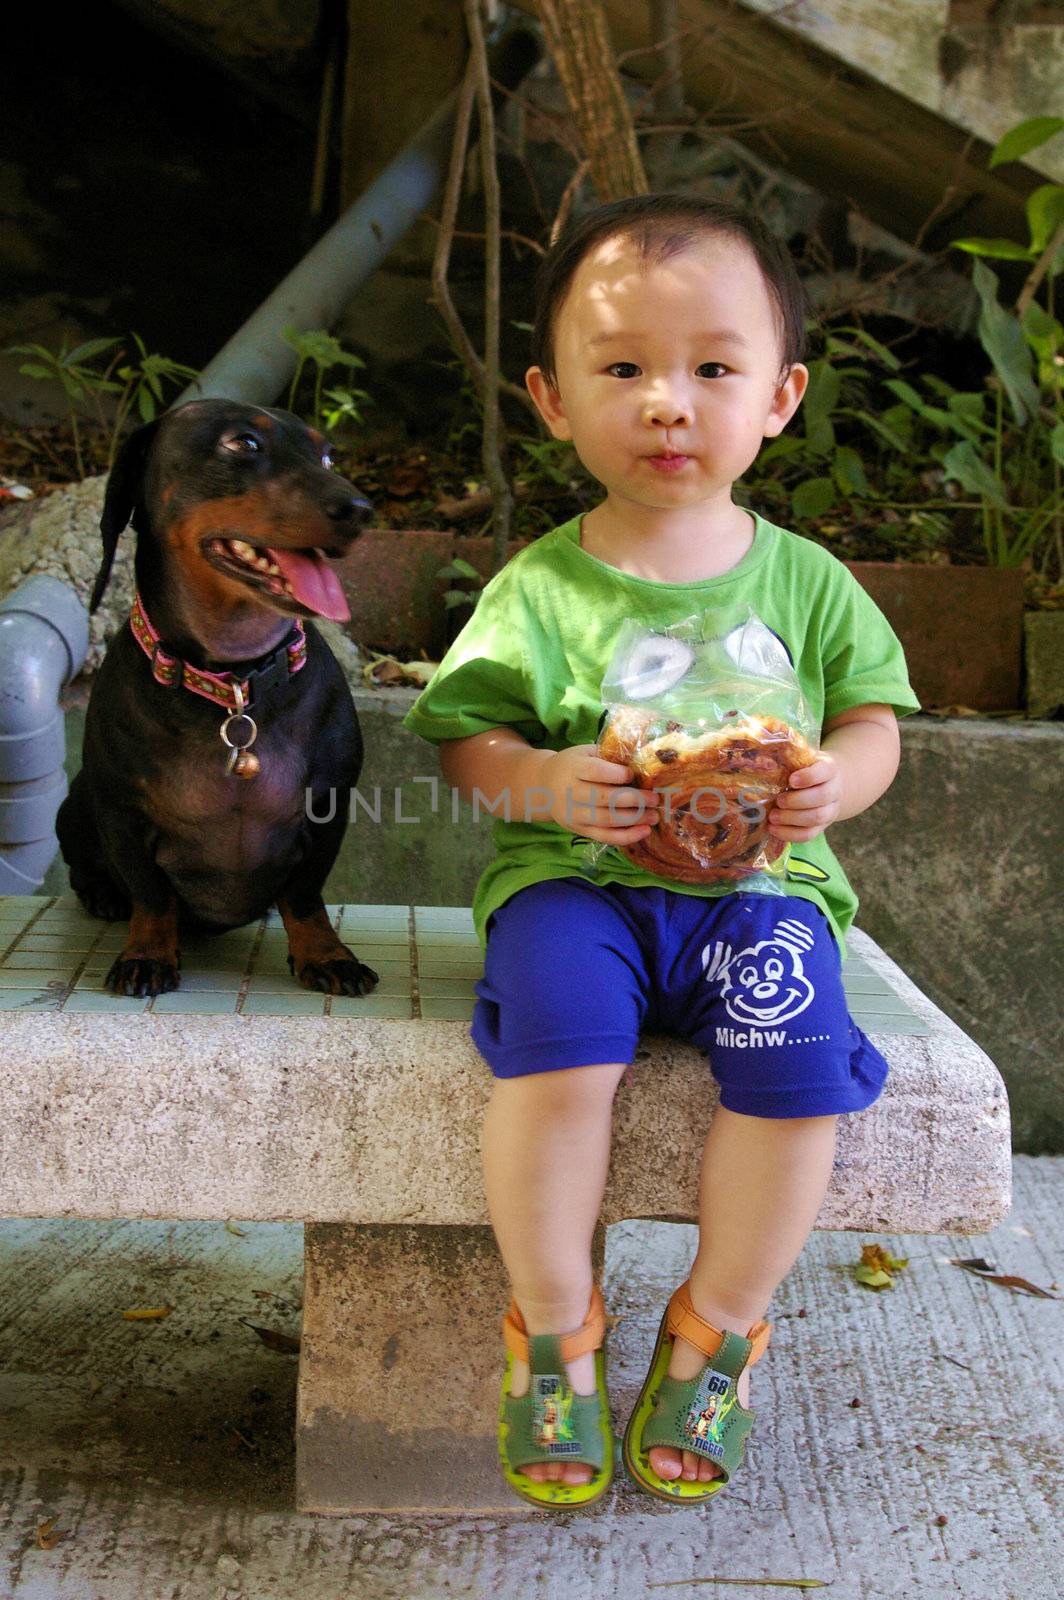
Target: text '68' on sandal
551	1422
701	1414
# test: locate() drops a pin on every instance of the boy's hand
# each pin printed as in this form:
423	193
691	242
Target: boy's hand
810	804
585	794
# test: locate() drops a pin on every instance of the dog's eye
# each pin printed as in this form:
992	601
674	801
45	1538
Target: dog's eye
242	444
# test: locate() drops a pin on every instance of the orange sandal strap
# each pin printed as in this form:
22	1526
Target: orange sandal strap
684	1322
582	1341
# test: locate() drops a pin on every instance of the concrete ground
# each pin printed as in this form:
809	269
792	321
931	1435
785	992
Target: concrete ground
910	1441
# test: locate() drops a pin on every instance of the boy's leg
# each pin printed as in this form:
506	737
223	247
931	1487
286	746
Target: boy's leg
546	1146
763	1180
762	988
560	1009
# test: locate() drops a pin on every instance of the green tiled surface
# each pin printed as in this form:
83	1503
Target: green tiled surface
54	956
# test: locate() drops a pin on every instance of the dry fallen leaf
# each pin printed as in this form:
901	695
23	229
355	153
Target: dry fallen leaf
46	1539
231	1227
149	1314
388	673
283	1343
985	1270
877	1266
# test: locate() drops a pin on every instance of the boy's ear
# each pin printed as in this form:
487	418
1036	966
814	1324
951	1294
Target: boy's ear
548	402
787	400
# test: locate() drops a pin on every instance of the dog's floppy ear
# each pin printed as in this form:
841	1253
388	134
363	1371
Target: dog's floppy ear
123	498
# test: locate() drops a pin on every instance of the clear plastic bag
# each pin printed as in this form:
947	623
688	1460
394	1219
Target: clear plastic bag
713	723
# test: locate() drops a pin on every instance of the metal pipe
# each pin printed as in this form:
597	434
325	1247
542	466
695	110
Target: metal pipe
256	363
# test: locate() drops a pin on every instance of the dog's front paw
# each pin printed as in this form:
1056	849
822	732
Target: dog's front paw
340	975
142	975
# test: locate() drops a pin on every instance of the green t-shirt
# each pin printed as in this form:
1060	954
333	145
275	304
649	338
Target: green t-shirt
533	656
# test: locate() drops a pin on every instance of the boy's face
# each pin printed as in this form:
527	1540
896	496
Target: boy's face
668	375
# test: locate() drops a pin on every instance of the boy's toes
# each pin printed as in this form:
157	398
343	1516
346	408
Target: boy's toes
578	1472
670	1464
665	1461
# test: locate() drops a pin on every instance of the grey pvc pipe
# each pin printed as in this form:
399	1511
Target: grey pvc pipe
44	638
256	363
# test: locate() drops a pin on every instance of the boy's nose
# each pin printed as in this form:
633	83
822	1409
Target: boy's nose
666	411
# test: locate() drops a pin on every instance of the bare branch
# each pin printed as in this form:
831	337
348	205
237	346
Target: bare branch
565	205
441	293
579	42
668	91
494	469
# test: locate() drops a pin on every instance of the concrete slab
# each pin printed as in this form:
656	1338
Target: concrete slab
164	1450
101	1115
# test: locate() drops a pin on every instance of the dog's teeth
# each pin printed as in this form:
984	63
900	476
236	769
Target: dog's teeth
239	548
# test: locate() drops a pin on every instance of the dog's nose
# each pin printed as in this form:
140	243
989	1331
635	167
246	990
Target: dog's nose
349	508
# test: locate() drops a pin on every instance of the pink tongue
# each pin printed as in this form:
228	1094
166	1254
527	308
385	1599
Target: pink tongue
313	583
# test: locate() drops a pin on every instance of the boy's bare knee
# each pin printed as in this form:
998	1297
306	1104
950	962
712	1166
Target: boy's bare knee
566	1089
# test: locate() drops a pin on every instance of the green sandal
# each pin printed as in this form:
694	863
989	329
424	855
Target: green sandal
550	1422
703	1414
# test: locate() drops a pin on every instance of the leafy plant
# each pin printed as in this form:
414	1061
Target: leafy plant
142	381
70	368
1026	350
460	568
139	383
318	347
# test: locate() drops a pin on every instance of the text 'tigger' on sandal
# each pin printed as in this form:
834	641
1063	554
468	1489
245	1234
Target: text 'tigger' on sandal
551	1422
703	1414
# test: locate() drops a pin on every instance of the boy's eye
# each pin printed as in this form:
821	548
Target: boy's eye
710	369
623	369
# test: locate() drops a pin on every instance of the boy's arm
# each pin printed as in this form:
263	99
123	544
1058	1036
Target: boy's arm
859	756
574	788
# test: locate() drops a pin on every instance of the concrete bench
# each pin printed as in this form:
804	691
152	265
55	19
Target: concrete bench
244	1097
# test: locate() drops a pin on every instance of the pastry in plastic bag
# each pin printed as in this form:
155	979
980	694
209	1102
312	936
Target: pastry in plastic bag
710	716
715	790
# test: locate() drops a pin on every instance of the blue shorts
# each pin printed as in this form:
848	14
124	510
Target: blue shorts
575	971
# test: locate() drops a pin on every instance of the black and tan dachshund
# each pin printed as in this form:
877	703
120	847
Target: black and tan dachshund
220	728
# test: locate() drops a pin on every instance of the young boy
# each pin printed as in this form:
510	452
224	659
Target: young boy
667	344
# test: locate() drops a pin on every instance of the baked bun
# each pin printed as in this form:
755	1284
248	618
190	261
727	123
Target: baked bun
716	790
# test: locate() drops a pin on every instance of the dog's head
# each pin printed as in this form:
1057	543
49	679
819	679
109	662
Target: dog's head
244	498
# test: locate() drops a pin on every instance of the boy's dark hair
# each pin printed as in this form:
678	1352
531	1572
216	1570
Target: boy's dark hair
662	225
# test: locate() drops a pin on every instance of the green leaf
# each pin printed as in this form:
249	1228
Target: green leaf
905	392
888	358
820	437
33	370
28	350
1002	338
849	471
1056	443
1024	137
1045	213
822	395
1002	249
883	428
91	347
964	464
145	405
873	1278
812	498
788	444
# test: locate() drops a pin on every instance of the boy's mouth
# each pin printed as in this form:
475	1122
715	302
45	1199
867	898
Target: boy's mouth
668	461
